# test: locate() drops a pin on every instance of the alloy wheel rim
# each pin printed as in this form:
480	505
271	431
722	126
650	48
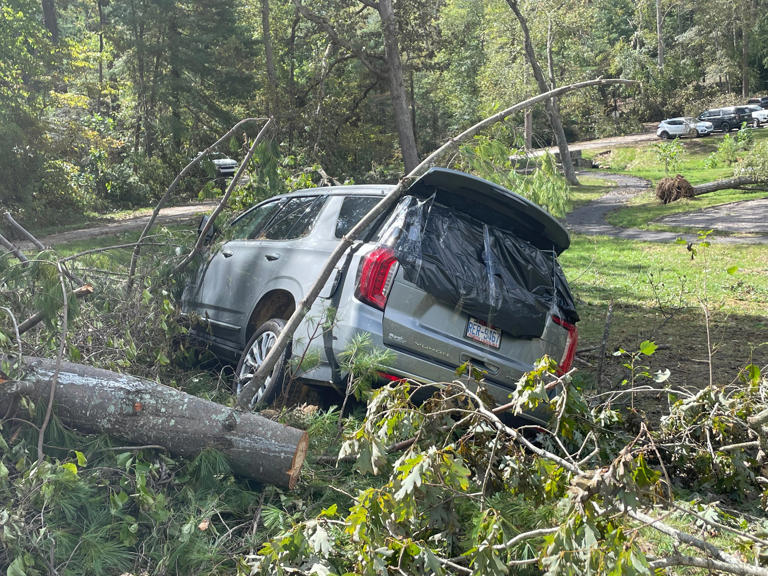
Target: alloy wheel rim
253	360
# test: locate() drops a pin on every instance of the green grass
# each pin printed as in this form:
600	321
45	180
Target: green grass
659	293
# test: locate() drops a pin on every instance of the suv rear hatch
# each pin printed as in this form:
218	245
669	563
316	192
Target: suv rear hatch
478	279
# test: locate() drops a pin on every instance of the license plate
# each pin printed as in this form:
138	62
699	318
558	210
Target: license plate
479	331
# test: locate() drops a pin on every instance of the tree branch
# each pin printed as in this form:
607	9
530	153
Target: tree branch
172	187
248	391
328	28
232	185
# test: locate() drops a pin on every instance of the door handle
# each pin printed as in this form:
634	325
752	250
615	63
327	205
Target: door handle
227	253
272	257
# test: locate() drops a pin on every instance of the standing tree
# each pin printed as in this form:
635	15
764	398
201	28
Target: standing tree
50	20
550	104
391	72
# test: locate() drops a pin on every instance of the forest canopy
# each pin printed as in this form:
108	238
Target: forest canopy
102	103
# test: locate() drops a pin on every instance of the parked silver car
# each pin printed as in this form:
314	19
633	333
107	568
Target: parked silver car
460	271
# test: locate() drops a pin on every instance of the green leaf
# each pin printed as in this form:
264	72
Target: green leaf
81	459
16	568
752	374
732	270
71	467
647	348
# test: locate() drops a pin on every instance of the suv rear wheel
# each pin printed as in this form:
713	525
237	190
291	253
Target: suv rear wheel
253	356
664	135
725	127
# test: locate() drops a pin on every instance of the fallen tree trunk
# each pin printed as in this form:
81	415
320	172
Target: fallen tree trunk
735	183
143	412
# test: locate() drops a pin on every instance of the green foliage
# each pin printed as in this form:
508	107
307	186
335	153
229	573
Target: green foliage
732	149
493	159
754	163
669	154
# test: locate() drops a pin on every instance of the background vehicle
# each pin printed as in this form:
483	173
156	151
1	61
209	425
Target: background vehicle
724	119
683	126
761	101
759	115
462	271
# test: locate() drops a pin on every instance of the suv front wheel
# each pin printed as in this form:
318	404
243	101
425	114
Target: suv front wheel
725	127
253	356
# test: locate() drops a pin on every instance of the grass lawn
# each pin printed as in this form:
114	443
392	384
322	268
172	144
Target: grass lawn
659	293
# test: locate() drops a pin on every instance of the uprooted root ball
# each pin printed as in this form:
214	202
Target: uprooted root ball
672	189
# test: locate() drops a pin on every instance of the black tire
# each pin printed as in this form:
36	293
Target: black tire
255	351
725	127
664	135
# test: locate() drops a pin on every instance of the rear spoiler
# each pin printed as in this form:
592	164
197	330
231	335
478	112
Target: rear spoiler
494	205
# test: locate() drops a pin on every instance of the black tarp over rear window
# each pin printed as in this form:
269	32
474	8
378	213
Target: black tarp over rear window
481	269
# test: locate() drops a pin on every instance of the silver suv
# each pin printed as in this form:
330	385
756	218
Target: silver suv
460	271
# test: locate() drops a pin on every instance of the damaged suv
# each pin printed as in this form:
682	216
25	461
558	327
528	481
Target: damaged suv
460	271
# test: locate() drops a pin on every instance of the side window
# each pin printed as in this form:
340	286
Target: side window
248	226
352	211
296	218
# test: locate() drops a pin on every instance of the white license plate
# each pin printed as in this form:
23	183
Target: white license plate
479	331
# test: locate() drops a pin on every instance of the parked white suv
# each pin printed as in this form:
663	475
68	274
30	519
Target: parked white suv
759	115
683	126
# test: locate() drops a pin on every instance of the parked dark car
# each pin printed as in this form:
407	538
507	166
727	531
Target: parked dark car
761	101
460	271
724	119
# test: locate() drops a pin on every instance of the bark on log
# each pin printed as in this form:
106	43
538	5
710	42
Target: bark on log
143	412
735	183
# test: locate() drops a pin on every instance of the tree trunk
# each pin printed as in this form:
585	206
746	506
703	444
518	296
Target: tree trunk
398	95
142	412
50	20
552	113
659	34
266	33
101	54
728	183
746	19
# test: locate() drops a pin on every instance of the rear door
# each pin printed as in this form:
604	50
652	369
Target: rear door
263	245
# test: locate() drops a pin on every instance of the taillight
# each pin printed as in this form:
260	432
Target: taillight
570	345
377	274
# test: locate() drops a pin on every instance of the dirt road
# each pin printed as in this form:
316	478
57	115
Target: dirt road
118	226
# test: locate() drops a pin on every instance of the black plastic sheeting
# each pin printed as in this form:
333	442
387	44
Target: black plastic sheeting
481	269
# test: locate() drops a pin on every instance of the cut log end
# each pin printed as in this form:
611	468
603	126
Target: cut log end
302	447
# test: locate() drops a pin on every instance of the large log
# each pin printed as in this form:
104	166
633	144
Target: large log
142	412
735	183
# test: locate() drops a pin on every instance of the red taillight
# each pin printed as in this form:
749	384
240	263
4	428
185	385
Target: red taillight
376	276
390	377
570	345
